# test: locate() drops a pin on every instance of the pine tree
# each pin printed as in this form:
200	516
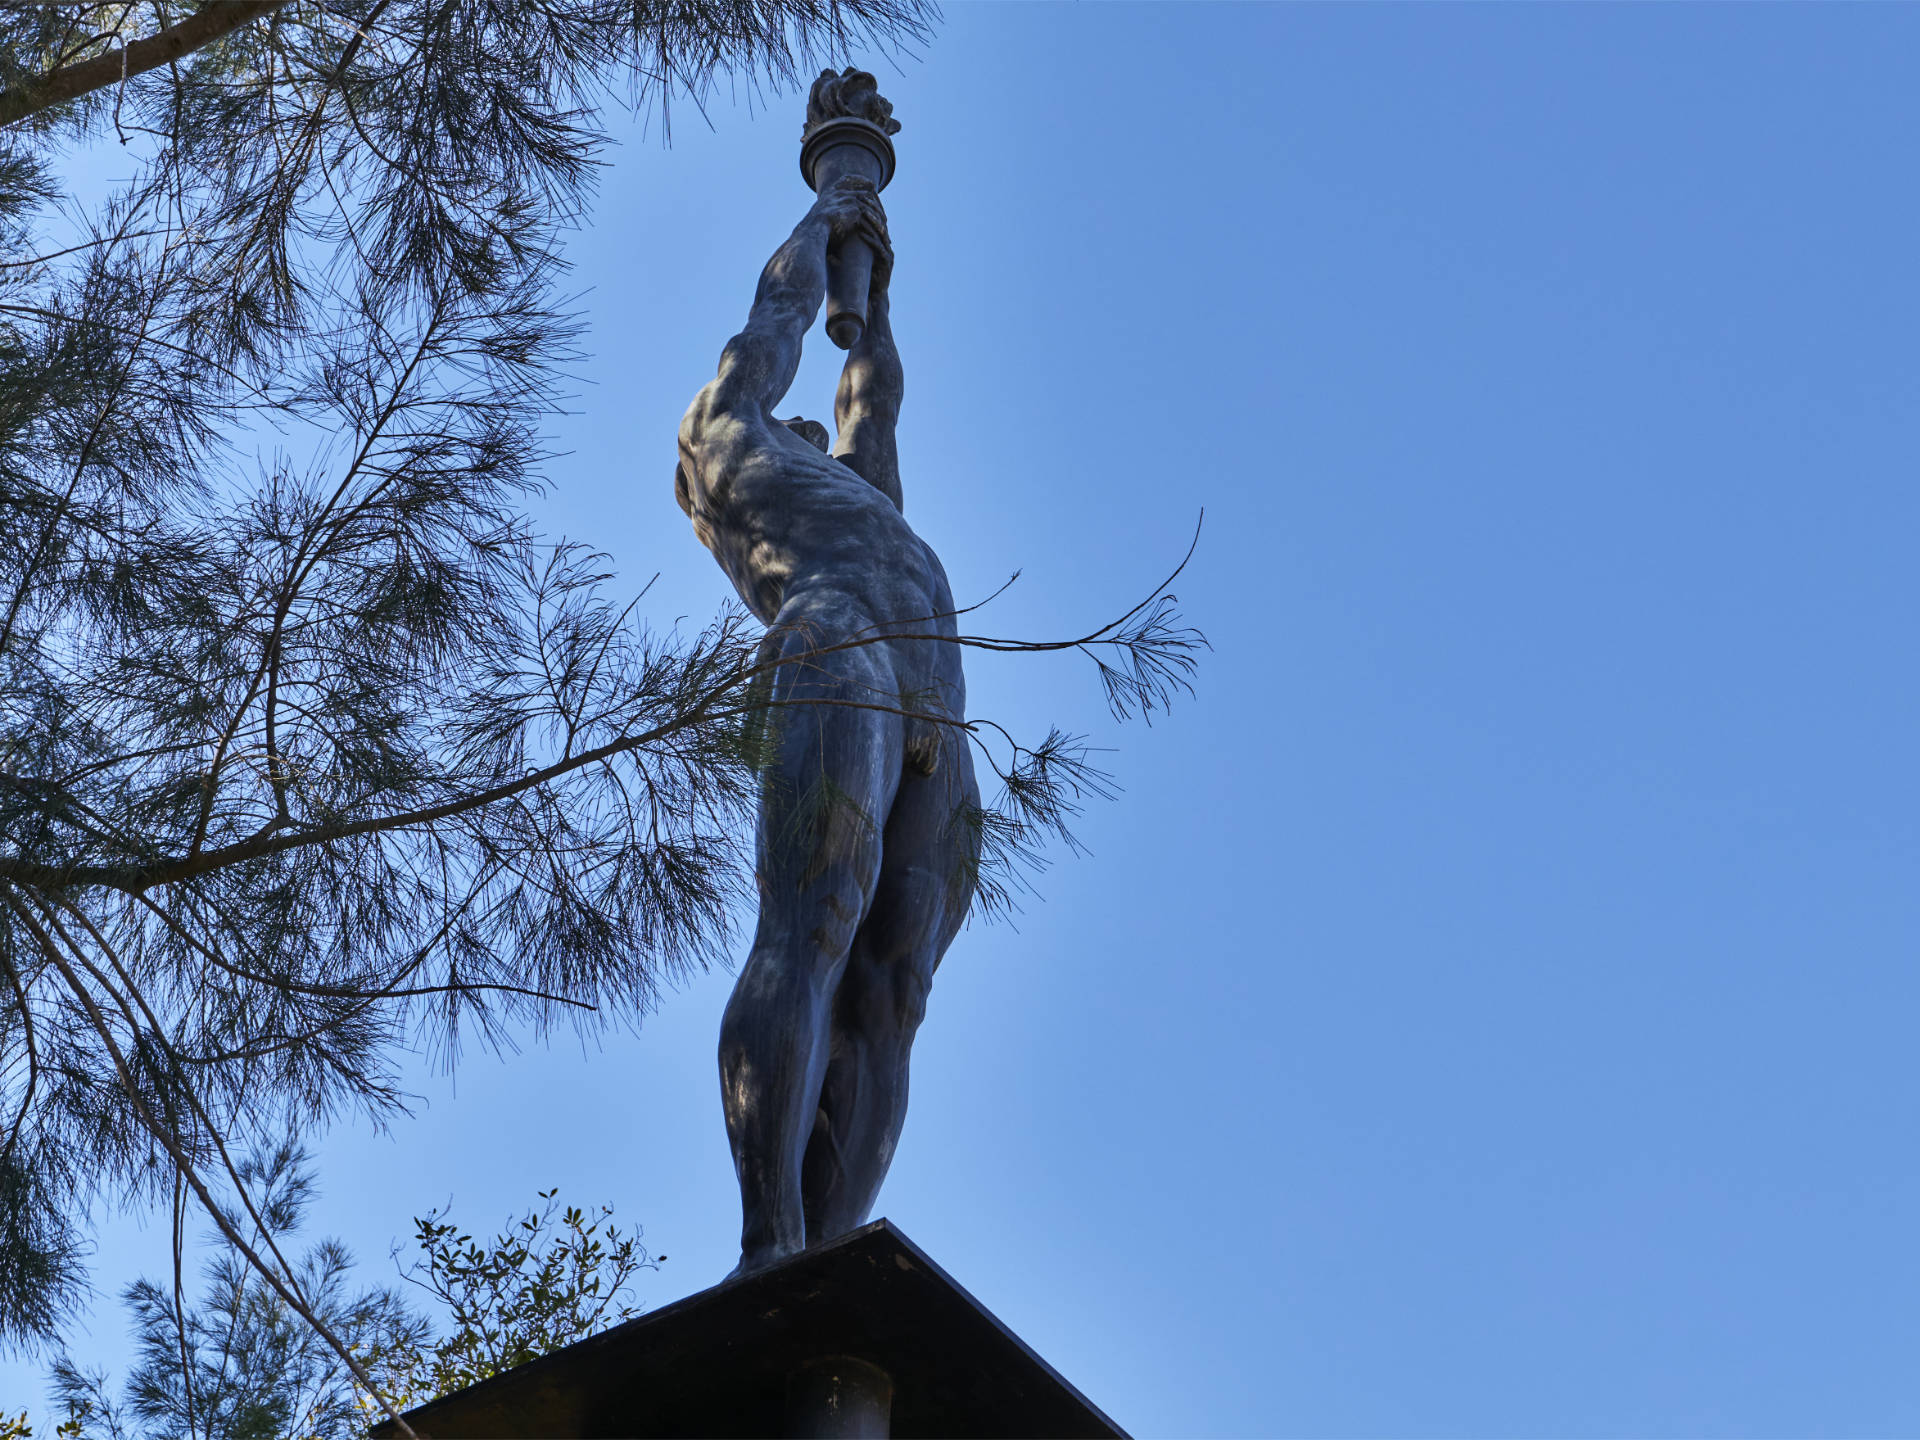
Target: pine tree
307	744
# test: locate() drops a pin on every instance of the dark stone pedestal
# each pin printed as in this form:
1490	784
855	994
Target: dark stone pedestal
862	1336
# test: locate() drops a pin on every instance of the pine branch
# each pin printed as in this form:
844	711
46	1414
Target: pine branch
69	82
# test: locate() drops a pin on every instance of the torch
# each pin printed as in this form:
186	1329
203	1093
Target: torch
849	131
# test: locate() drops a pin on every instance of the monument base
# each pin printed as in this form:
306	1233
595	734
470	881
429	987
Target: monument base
862	1336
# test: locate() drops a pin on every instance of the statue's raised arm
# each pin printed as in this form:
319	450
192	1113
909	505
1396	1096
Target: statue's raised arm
866	408
758	365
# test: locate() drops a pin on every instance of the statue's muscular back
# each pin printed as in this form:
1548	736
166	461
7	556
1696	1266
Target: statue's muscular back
809	542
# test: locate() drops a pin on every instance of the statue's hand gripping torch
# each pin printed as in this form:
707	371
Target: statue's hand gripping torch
849	132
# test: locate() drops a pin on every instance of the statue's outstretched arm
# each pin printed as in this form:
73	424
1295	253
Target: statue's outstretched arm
759	363
872	385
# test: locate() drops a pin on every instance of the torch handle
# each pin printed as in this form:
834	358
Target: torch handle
849	283
850	266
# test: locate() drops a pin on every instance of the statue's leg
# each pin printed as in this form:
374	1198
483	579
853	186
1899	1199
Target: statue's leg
921	900
819	848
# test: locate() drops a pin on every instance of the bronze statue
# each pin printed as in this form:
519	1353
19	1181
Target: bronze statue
867	837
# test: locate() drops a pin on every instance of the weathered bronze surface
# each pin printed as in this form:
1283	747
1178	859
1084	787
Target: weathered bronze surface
868	834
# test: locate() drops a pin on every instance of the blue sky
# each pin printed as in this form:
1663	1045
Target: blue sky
1487	1010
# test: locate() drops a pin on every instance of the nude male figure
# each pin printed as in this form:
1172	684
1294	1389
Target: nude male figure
867	839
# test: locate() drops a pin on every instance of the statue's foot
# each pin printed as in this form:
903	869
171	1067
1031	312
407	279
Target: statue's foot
758	1259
